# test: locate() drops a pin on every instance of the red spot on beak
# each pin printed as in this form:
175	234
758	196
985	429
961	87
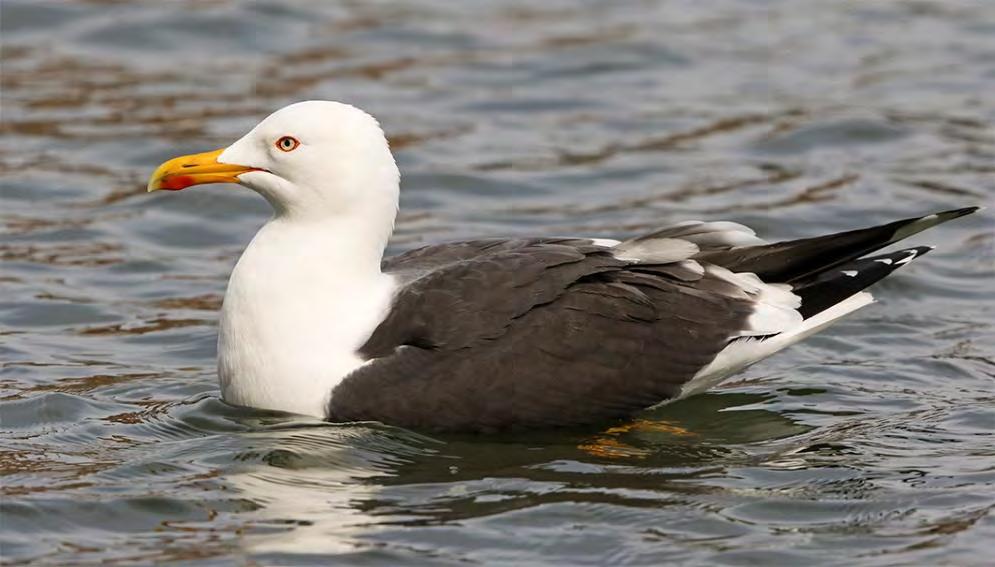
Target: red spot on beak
177	182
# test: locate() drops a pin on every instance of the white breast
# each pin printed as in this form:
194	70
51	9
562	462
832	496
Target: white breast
293	319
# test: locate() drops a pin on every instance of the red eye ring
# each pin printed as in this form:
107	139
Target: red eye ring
287	144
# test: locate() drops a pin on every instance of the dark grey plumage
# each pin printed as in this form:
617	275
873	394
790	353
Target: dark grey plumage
537	334
507	334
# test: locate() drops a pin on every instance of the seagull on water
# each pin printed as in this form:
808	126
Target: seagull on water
498	333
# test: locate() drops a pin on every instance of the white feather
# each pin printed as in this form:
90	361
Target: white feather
308	291
775	307
656	250
744	352
719	234
693	266
686	239
298	308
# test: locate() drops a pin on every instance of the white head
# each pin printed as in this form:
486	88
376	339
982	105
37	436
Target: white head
314	160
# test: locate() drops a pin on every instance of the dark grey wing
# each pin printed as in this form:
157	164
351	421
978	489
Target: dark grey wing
414	263
498	334
468	300
540	335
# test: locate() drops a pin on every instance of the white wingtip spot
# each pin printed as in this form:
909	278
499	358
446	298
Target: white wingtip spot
907	259
850	273
884	260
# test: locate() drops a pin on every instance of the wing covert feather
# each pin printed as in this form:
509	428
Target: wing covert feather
543	334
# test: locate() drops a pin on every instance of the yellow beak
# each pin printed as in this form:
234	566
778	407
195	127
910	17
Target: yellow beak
197	169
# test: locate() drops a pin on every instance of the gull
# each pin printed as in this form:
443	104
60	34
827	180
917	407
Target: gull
496	333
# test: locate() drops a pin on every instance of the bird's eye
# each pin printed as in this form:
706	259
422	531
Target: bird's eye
287	144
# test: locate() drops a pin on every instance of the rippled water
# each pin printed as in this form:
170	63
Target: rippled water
872	443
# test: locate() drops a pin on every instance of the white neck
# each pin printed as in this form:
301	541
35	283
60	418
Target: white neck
303	298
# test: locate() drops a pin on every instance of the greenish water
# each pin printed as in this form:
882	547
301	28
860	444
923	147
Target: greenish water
871	444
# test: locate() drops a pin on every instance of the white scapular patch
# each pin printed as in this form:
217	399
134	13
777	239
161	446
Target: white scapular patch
850	273
719	234
692	265
744	352
684	240
656	250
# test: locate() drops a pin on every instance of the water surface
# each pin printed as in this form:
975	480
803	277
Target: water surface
873	443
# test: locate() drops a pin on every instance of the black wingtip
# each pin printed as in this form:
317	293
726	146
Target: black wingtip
913	254
833	286
957	213
906	228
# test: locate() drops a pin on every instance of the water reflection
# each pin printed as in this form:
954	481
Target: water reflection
370	476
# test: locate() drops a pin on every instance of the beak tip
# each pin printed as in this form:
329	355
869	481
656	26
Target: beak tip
196	169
